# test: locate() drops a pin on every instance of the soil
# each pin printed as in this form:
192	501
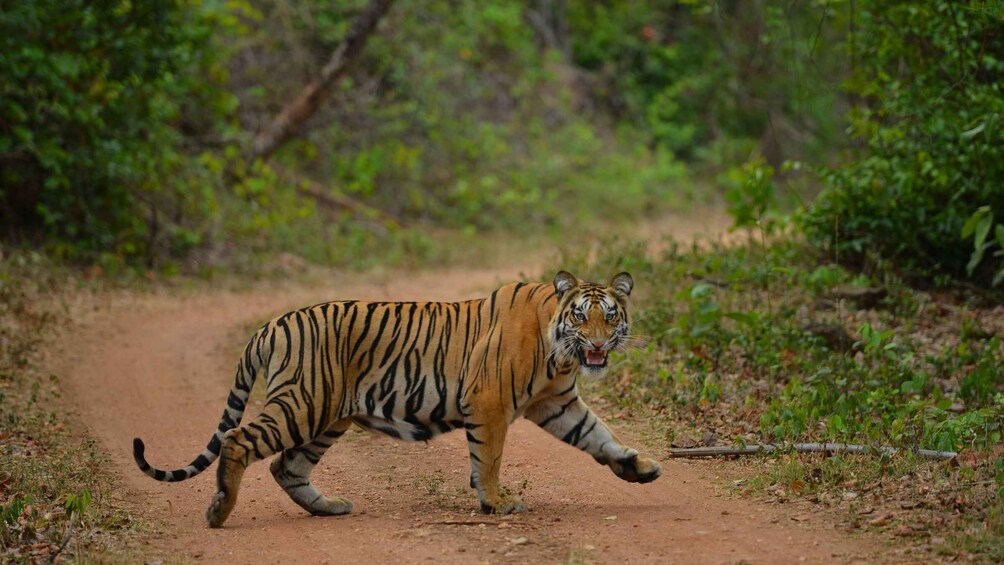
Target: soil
159	366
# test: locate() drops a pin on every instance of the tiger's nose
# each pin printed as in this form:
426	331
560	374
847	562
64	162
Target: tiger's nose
598	344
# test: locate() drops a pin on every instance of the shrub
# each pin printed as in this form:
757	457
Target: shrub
929	76
91	100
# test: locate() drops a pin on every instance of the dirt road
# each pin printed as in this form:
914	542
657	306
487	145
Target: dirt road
159	367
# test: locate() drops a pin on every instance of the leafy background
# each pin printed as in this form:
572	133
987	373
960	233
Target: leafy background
124	127
856	143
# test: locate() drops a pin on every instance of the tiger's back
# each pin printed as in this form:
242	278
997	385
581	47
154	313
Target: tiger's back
401	367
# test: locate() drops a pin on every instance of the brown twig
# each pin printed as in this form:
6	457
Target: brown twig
66	541
803	448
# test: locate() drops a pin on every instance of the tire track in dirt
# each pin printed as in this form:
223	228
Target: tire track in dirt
159	366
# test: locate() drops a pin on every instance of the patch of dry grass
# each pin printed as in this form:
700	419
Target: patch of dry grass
55	493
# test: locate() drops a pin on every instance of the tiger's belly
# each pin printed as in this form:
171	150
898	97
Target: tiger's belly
413	409
409	431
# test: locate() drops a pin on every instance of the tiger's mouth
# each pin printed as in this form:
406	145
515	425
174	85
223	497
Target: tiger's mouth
593	358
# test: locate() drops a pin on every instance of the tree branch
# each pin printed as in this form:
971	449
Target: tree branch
292	118
803	448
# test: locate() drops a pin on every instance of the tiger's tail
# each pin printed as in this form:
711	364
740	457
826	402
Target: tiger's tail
247	370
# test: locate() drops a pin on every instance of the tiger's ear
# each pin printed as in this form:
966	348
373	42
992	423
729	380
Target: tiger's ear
564	282
622	282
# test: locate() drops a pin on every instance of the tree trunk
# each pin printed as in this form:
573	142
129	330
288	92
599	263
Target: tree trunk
291	119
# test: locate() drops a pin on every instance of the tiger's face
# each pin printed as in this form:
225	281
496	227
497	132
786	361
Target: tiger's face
592	320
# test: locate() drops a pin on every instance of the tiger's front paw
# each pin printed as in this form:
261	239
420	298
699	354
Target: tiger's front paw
637	469
505	504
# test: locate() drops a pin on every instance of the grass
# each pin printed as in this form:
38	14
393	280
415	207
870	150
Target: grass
55	491
742	348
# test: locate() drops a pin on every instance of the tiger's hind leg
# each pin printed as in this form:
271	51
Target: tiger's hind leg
292	469
265	435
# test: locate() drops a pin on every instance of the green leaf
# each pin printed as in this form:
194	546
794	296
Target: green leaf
23	134
836	423
976	258
982	230
748	318
971	133
970	226
700	290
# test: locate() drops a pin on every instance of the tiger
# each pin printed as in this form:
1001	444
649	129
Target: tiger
413	370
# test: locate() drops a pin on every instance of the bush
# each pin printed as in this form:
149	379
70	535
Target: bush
91	102
929	75
714	80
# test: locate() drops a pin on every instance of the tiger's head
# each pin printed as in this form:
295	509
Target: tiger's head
591	320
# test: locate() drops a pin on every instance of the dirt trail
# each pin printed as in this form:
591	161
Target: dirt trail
159	367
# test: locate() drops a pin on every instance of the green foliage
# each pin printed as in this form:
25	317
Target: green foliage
714	80
10	512
978	227
929	77
460	119
91	100
123	127
753	198
704	314
730	324
78	504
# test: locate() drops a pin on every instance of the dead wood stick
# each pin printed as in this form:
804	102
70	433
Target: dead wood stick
802	448
66	541
292	118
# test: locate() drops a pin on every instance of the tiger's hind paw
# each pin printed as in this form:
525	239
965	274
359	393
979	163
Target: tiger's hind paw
504	505
215	515
330	506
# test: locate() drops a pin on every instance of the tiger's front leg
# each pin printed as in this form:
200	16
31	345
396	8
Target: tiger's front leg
485	439
567	418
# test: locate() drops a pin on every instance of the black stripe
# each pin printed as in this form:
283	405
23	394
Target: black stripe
515	291
573	435
234	402
557	414
370	308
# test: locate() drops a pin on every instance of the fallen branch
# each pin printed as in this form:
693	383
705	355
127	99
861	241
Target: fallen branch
465	522
802	448
292	118
66	541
